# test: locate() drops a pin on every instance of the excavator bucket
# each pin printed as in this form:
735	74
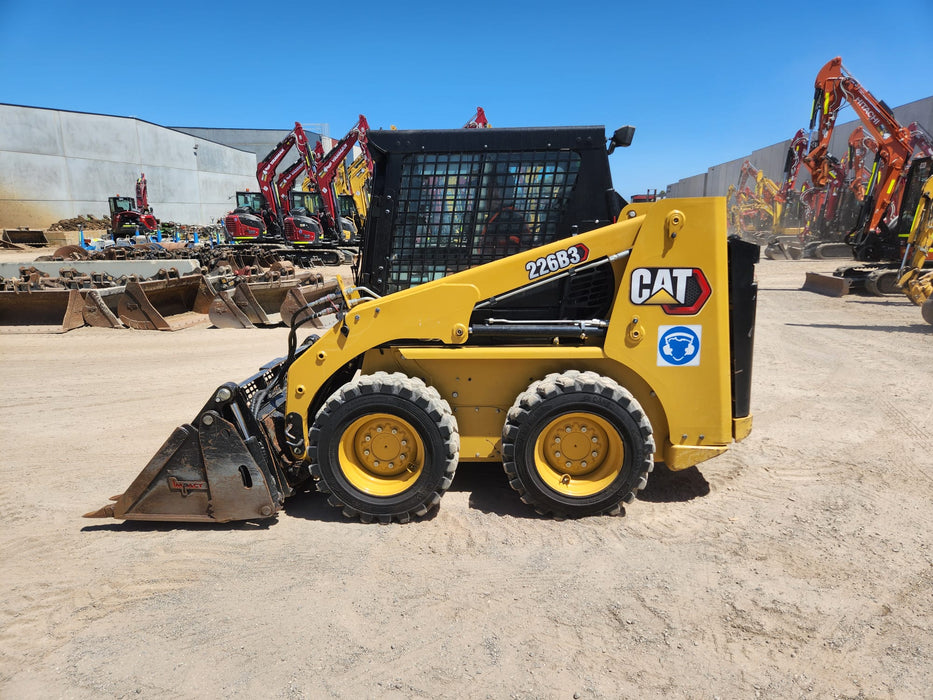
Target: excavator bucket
218	468
146	305
252	304
95	311
160	304
785	248
238	308
300	297
24	236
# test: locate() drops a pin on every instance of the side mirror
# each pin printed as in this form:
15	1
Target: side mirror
622	137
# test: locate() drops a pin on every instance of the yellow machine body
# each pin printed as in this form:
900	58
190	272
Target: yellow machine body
915	280
424	332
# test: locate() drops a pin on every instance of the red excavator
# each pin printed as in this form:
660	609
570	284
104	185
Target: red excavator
272	216
478	120
323	171
257	217
130	217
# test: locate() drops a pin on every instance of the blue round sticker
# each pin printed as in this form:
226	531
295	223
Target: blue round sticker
678	345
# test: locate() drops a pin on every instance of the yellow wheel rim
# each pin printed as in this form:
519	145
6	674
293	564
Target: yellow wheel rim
579	454
381	454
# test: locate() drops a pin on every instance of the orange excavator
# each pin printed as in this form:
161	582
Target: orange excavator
878	238
835	87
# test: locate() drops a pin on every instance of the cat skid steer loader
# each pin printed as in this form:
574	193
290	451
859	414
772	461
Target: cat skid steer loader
577	349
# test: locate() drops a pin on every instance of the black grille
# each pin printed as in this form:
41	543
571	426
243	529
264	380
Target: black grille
464	209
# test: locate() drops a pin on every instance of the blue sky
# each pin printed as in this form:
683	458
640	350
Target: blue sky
703	82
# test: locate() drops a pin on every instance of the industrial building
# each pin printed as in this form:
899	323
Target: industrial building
58	164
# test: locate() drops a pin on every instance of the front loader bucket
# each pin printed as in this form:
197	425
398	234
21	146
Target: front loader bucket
96	312
779	249
252	304
225	313
828	285
150	304
300	297
207	471
25	236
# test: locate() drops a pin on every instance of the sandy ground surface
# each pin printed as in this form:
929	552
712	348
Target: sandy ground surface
796	565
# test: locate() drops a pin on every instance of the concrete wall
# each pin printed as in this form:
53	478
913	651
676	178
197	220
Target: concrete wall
257	141
262	141
57	165
715	182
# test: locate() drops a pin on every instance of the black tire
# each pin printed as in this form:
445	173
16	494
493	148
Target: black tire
384	447
926	310
599	421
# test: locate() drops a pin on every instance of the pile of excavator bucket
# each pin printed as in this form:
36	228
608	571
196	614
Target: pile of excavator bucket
154	288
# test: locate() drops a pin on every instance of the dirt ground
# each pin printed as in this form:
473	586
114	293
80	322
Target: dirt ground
798	565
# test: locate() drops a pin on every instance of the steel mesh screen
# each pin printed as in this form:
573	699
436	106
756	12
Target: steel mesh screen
458	210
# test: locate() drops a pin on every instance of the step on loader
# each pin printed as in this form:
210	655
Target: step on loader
576	350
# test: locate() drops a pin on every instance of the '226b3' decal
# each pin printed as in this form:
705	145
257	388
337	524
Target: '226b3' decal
679	291
554	262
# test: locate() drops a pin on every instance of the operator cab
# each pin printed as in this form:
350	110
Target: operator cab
249	202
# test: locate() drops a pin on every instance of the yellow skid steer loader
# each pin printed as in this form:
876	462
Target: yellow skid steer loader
578	356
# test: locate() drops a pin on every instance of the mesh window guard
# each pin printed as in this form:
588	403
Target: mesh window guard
459	210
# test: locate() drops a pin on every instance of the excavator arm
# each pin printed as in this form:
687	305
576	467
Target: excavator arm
478	120
286	179
326	166
858	175
915	281
265	170
795	151
834	87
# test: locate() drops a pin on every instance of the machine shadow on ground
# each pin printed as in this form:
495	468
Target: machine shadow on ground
666	486
918	328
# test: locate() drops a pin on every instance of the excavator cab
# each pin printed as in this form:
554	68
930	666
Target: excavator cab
249	202
126	220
